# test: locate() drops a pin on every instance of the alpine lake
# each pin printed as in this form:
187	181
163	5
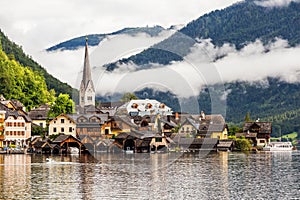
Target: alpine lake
204	175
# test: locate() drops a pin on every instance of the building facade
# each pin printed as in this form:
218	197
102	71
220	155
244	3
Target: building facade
17	130
2	119
62	124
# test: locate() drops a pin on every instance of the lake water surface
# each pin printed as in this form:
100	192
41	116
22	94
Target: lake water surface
222	175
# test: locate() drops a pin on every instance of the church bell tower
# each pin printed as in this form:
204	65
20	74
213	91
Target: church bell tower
87	90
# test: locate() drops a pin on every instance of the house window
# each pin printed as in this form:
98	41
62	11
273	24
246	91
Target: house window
62	129
41	124
106	131
62	121
54	129
90	98
187	129
261	141
70	129
158	139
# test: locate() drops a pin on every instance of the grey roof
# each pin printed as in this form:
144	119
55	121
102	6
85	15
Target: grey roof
17	113
225	144
40	112
212	127
14	113
191	122
263	127
103	118
110	105
38	144
62	138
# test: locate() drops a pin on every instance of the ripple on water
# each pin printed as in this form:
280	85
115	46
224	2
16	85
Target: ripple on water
165	176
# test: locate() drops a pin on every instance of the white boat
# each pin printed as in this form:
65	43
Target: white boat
49	160
278	146
73	150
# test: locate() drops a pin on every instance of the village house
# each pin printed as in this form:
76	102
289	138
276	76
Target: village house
258	132
141	142
62	124
116	125
142	107
212	126
68	142
17	124
2	120
39	115
189	128
89	124
204	126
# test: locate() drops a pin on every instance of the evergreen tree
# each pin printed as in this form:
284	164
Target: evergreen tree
247	117
128	96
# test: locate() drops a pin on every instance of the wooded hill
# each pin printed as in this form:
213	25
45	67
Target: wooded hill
15	52
238	25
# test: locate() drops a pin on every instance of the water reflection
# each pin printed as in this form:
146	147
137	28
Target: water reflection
220	175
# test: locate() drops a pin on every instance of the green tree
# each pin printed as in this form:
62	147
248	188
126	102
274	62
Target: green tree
233	129
247	117
23	84
243	144
62	104
128	96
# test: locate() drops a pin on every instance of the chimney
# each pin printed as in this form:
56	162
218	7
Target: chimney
202	115
176	116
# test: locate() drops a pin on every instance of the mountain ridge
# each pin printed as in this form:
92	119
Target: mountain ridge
238	25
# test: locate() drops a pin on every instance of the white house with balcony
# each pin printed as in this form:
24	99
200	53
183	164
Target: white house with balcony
142	107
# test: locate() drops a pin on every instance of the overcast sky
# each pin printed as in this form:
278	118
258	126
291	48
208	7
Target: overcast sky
36	24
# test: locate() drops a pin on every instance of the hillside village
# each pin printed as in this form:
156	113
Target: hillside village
143	125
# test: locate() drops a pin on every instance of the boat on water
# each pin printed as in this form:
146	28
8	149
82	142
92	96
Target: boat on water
278	146
73	150
49	160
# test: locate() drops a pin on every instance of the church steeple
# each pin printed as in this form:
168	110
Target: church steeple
87	90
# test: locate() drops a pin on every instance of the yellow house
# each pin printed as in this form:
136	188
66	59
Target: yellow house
62	124
116	125
213	127
2	119
189	128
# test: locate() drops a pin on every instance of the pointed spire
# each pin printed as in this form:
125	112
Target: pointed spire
87	90
87	76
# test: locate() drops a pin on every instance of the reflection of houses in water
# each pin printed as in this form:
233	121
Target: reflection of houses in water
16	169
